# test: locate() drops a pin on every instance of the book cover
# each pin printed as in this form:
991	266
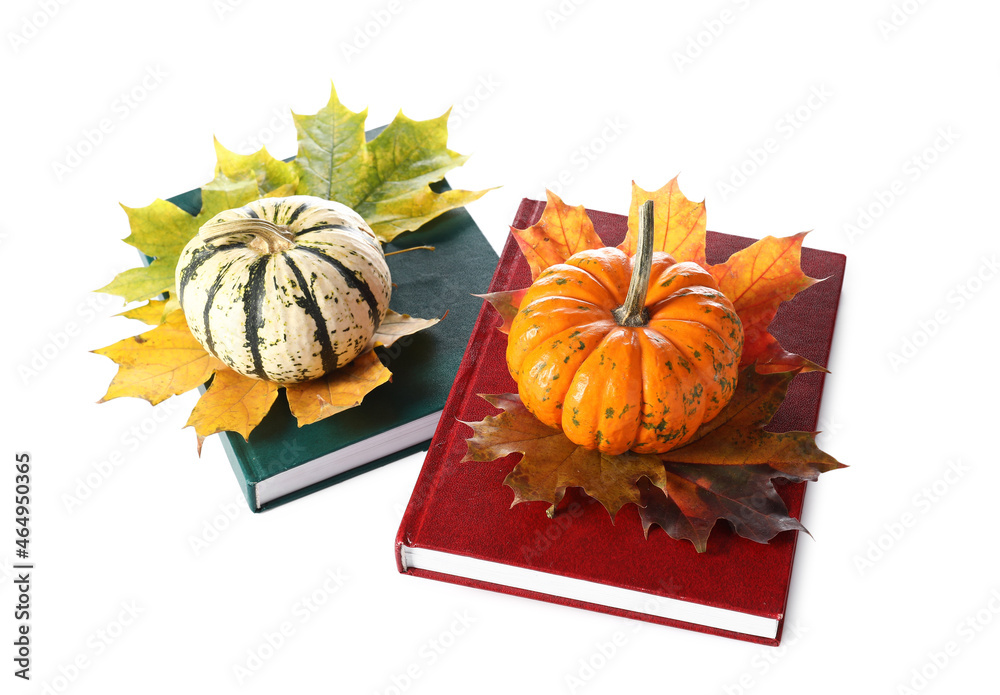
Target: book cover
463	510
426	284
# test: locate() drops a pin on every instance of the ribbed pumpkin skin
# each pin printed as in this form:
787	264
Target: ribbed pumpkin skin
290	316
617	388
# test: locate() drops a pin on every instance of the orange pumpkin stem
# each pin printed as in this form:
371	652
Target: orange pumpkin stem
633	312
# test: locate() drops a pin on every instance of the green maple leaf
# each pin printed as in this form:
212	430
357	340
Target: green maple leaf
274	177
137	284
161	231
387	181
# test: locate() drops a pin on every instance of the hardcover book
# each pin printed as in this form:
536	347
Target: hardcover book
460	527
281	461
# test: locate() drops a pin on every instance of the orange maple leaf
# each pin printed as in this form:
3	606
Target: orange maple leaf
507	303
757	280
678	223
559	233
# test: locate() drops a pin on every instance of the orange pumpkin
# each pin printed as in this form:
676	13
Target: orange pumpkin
618	369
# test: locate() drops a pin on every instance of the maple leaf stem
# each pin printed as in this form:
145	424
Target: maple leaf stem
412	248
633	312
270	238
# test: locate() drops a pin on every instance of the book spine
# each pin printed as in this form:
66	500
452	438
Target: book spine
235	449
409	528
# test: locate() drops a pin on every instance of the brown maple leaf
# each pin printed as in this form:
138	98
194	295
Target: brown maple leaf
725	473
693	499
736	436
551	462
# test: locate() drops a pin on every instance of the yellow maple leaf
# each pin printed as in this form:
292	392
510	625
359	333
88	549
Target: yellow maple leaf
152	313
233	402
160	363
311	401
168	360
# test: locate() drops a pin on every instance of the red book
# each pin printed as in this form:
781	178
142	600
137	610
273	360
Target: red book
459	526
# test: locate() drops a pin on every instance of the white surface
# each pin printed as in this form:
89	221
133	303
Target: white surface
591	592
544	94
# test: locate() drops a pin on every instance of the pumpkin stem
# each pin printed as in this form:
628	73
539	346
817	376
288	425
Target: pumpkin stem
268	237
633	312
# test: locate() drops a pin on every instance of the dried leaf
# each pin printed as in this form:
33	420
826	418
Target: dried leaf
339	390
561	231
173	304
773	358
725	474
395	326
736	436
159	363
234	403
387	180
332	151
282	191
273	176
695	497
161	230
757	280
506	303
140	284
678	223
168	360
551	462
152	313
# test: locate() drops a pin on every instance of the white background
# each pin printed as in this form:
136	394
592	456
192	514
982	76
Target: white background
696	88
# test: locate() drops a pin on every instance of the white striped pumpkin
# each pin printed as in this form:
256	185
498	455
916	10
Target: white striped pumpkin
284	289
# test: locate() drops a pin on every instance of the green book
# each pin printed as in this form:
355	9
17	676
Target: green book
281	461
